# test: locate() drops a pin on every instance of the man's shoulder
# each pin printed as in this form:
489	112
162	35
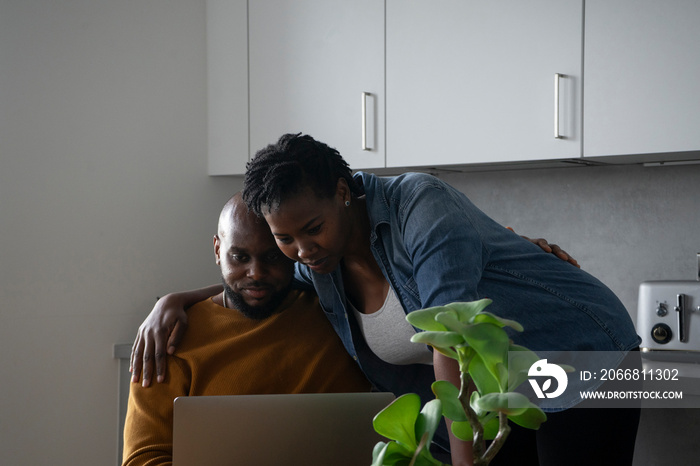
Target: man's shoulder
302	298
200	317
206	305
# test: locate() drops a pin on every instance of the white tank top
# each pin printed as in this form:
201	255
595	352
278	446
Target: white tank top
388	334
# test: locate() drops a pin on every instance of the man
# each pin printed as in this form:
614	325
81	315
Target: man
258	336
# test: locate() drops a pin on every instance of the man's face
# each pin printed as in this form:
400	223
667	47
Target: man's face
255	273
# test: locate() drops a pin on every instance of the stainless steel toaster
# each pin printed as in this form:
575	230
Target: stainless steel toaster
668	320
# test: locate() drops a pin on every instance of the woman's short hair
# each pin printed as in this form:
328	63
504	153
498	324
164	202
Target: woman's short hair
285	168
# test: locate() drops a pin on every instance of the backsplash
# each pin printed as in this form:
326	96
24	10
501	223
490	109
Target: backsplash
624	224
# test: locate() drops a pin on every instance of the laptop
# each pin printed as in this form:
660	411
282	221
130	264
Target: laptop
321	429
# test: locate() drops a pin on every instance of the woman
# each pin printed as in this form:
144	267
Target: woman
377	248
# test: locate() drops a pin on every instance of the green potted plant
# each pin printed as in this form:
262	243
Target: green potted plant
481	407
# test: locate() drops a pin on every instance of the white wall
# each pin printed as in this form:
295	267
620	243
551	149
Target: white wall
104	204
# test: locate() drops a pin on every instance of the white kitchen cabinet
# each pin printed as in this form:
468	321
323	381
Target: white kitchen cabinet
642	62
467	81
227	86
474	81
310	61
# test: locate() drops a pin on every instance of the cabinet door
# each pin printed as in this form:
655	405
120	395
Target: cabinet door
474	81
642	60
227	86
310	63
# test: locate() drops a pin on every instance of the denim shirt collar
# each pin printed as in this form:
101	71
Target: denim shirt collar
377	204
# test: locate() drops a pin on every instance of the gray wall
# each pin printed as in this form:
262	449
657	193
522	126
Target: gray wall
105	204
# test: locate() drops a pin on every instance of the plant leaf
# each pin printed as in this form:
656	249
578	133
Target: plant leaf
442	339
490	428
424	319
463	430
473	402
397	421
425	458
520	359
428	420
467	310
502	372
449	352
379	453
531	418
490	342
390	454
510	403
487	317
451	321
484	380
448	395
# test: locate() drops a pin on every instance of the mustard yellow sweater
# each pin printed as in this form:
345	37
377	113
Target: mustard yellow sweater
224	353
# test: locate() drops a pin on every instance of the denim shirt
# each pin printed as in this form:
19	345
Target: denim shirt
435	247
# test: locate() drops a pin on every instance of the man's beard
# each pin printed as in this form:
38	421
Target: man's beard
260	312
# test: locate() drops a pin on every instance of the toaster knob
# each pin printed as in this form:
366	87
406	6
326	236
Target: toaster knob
661	333
661	310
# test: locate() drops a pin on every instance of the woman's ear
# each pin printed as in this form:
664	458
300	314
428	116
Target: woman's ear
343	192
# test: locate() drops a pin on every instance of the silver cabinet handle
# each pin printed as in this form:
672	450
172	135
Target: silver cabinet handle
364	120
557	76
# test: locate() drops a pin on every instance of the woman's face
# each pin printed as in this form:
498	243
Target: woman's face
312	230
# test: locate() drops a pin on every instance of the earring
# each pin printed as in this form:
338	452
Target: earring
347	203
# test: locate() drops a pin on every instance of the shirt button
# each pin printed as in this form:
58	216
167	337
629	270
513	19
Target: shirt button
355	358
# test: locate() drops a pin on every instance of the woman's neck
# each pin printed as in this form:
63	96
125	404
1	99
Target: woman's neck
365	284
358	250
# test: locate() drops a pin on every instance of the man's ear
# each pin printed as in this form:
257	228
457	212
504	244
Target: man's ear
217	249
